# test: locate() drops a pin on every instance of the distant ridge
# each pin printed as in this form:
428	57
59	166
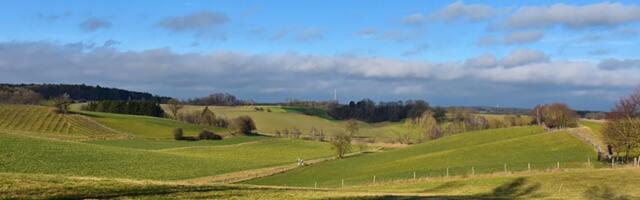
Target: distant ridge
82	92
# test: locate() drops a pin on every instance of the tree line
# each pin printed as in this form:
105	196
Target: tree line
134	107
368	111
218	99
82	92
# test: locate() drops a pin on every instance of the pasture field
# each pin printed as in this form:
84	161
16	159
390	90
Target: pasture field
285	118
24	154
486	151
145	127
573	184
152	144
43	122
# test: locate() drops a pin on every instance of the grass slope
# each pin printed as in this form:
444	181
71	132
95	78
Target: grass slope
286	118
145	127
486	151
24	154
41	121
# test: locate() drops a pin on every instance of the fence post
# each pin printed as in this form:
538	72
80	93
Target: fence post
315	185
529	166
414	175
374	179
343	183
505	168
473	171
447	172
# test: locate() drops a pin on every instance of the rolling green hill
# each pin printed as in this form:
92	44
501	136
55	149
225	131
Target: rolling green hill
145	127
285	118
24	154
42	121
486	151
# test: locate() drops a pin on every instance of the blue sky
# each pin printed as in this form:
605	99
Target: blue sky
505	53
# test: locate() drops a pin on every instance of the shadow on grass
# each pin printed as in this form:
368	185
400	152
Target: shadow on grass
604	193
516	189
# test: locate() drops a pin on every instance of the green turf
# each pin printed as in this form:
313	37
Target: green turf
486	151
164	144
147	127
285	118
618	184
25	154
596	128
42	121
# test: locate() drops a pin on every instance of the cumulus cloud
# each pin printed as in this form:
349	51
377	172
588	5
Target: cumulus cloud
162	69
94	24
482	61
202	22
522	57
604	14
615	64
523	37
461	11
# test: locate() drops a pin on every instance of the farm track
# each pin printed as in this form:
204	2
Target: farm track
236	177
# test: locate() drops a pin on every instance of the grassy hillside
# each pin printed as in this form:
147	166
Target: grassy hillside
580	184
486	151
23	154
42	121
281	117
145	127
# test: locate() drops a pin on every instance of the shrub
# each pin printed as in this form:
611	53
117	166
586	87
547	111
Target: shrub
341	144
208	135
178	134
243	125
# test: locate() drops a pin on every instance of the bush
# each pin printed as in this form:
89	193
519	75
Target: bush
208	135
243	125
178	134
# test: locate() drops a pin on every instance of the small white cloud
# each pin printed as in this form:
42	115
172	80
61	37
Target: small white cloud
522	57
523	37
461	11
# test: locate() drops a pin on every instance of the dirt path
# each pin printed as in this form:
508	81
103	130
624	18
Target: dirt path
235	177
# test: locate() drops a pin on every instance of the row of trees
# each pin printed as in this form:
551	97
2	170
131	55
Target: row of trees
85	93
368	111
556	115
134	107
206	117
10	95
219	99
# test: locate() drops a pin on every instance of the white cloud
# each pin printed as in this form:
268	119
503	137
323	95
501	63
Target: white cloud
523	37
523	57
574	16
616	64
461	11
272	73
482	61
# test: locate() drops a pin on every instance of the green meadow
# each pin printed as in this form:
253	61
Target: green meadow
485	151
